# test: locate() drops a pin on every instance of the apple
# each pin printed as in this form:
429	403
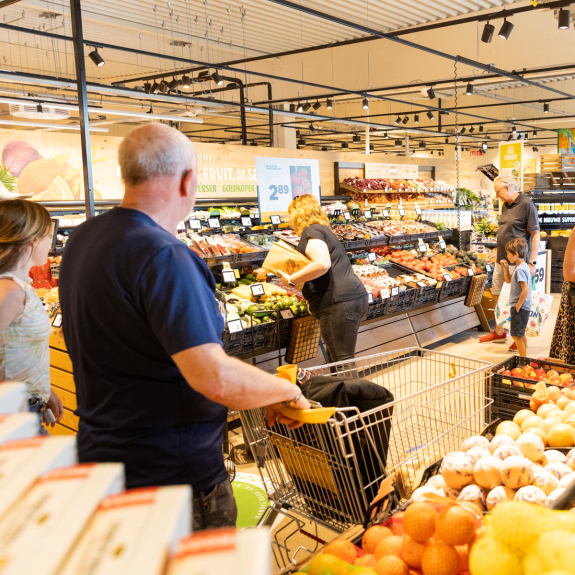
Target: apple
506	372
517	371
530	386
565	376
541	377
551	373
540	372
554	379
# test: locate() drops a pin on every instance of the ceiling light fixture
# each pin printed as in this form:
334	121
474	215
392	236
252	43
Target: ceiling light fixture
50	126
173	84
510	136
306	106
301	142
186	82
96	58
371	148
39	109
534	133
324	149
463	130
564	19
155	87
514	129
405	120
365	104
397	121
299	107
147	88
484	146
329	104
481	129
317	105
163	86
487	34
545	108
292	107
422	145
344	145
505	29
430	93
217	79
416	119
386	135
398	143
431	152
469	89
357	139
430	115
447	140
471	130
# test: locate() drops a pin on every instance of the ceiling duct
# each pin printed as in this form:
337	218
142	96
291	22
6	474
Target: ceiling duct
31	112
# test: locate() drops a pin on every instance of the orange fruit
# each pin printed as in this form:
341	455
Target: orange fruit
440	559
373	537
326	564
563	402
553	392
389	546
463	551
561	435
473	507
412	552
419	521
455	525
365	561
396	524
344	550
391	565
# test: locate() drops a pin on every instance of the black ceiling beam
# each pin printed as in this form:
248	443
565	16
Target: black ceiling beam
6	3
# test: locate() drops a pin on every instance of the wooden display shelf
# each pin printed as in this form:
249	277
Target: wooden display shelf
353	190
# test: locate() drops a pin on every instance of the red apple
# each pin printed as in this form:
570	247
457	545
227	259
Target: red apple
517	371
541	377
554	379
540	371
551	373
506	372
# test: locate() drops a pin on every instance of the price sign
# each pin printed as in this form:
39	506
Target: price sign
214	223
401	211
286	314
246	221
276	220
195	224
422	247
235	325
488	267
447	277
57	321
371	257
385	293
421	284
394	290
369	297
438	285
181	227
347	216
257	290
337	213
237	274
229	276
367	214
471	272
417	209
354	212
441	243
385	213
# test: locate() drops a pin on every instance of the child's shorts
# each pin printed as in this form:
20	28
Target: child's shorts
519	321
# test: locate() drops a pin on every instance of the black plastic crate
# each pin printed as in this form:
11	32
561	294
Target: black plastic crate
455	287
285	332
557	273
400	302
512	399
355	244
375	309
250	339
502	413
426	295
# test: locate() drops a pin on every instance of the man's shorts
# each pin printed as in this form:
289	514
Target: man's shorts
499	278
519	321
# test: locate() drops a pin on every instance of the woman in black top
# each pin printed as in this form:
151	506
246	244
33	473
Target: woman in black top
334	293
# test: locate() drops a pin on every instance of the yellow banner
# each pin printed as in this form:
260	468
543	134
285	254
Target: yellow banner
510	160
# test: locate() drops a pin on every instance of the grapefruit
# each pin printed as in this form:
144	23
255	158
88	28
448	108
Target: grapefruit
419	521
548	423
455	525
505	424
553	392
563	402
531	421
389	546
344	550
546	409
373	537
520	416
440	559
561	435
538	431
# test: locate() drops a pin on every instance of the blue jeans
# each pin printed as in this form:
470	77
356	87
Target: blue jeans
339	324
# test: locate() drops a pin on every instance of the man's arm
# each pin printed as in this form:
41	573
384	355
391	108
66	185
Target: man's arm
535	239
233	383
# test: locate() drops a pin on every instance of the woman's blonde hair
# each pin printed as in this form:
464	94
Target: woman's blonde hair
21	223
304	211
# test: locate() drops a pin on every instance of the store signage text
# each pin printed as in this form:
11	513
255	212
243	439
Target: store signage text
213	179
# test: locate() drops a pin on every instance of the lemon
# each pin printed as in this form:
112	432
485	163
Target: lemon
517	525
555	550
489	557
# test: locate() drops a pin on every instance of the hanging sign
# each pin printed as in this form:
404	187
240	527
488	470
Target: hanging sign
280	180
511	160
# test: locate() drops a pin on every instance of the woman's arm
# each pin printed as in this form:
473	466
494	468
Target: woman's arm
569	263
12	302
318	252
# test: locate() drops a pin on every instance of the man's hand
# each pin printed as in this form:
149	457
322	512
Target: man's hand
491	256
56	406
533	269
517	306
285	278
273	414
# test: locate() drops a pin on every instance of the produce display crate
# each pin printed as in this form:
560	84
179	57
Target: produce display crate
529	182
454	287
304	340
501	413
402	301
557	274
375	309
355	244
285	332
378	241
426	295
250	339
550	163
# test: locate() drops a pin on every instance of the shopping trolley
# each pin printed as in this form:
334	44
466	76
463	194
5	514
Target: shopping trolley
329	473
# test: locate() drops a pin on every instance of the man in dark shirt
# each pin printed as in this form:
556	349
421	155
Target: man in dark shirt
144	334
518	219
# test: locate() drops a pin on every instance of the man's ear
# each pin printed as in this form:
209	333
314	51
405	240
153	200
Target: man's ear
187	183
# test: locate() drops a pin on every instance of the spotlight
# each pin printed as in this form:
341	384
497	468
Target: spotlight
311	126
173	84
469	89
365	104
299	107
487	34
397	121
535	149
357	139
447	140
324	149
386	135
398	143
416	119
430	115
155	87
509	138
422	145
301	142
329	104
545	108
344	145
431	152
463	130
218	80
163	86
519	136
484	146
564	19
481	129
471	130
317	105
147	88
96	58
292	107
405	120
505	29
371	148
185	81
431	93
514	129
534	133
306	106
39	109
254	144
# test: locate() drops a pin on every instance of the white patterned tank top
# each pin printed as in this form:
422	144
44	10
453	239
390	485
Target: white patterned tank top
24	348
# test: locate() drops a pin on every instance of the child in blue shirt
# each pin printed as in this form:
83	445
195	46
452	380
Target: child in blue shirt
520	291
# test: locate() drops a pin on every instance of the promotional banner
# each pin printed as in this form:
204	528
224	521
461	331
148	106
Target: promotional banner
566	141
280	180
510	160
392	171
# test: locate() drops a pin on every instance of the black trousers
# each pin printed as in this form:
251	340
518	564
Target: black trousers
339	324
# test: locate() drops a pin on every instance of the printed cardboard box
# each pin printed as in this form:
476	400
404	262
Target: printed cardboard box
18	426
24	460
13	397
224	551
38	531
133	533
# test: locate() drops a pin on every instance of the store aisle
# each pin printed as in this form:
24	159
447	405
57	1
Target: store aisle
466	343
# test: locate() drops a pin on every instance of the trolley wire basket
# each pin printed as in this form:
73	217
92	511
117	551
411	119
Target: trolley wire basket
329	473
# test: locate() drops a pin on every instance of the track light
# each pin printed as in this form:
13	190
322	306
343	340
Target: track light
397	121
430	93
545	108
509	138
185	81
386	135
505	29
471	130
405	120
422	145
398	143
317	105
329	104
564	19
292	107
217	79
311	127
481	129
371	148
514	129
344	145
447	140
155	87
306	106
173	84
469	89
357	139
416	119
484	146
324	149
365	104
430	115
163	86
463	130
39	109
487	34
96	58
147	88
299	107
301	142
431	152
534	133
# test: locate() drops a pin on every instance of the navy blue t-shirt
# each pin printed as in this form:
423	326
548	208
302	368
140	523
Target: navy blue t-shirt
133	295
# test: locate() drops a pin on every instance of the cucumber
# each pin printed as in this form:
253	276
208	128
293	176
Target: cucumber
251	277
